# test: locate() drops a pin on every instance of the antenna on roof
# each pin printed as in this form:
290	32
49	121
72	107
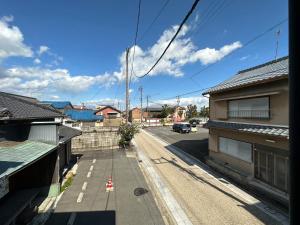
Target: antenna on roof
277	39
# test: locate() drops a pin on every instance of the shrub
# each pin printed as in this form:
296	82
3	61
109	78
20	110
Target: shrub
127	132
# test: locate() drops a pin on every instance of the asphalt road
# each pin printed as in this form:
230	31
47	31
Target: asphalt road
195	144
87	202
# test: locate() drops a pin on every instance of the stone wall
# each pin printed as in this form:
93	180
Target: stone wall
96	138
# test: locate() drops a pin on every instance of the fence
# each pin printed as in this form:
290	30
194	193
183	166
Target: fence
96	138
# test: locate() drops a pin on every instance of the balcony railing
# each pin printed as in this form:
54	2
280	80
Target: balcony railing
249	114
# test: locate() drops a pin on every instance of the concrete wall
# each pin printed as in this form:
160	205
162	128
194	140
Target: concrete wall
279	104
96	138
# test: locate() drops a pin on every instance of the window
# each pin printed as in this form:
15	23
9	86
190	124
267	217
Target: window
271	168
238	149
249	108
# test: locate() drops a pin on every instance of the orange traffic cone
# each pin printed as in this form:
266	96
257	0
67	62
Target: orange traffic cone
109	185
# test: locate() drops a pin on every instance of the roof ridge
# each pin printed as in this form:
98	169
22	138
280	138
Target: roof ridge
8	95
264	64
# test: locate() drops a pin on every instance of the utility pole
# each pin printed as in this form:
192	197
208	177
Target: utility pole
178	100
127	91
147	107
277	39
141	90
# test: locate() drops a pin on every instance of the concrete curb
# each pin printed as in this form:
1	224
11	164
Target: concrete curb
272	212
173	206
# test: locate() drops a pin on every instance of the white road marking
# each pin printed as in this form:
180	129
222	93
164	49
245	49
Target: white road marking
84	186
91	168
71	218
89	174
80	196
94	160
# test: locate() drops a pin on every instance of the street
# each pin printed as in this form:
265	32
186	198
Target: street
195	144
87	202
204	198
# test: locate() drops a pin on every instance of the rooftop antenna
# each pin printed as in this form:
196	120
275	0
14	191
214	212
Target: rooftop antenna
277	39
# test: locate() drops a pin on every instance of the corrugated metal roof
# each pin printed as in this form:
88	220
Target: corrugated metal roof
83	115
58	104
274	69
13	158
282	131
66	133
19	108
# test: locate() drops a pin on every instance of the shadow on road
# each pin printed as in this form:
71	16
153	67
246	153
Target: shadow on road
196	148
82	218
249	207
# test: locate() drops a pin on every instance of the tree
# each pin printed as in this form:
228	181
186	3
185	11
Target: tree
204	112
191	111
127	132
166	110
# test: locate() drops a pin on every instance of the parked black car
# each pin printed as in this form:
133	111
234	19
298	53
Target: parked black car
182	127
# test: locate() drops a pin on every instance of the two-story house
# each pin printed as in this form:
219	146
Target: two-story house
248	128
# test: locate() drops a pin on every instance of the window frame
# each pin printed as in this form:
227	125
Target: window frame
233	155
260	118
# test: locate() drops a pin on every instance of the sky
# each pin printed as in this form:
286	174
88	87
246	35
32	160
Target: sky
75	50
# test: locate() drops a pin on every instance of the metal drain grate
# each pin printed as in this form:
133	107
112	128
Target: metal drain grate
140	191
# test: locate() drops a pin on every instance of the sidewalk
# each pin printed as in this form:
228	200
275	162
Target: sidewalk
204	199
87	202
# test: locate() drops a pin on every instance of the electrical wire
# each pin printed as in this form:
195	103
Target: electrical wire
154	20
173	38
135	39
246	44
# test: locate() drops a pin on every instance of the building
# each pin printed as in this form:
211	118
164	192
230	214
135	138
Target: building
179	114
35	152
61	106
135	115
248	128
109	112
84	118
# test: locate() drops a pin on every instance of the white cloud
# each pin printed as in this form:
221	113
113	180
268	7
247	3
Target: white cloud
244	57
199	101
182	52
43	49
54	97
104	101
36	61
12	40
46	80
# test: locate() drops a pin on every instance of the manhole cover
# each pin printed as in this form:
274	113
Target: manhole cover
140	191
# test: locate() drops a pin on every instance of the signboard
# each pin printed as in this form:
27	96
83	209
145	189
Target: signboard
4	187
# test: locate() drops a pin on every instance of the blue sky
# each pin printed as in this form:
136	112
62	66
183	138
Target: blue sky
74	50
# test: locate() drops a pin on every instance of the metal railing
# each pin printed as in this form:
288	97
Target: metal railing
249	114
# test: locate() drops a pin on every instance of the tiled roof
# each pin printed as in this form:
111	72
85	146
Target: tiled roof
108	106
83	115
58	104
282	131
17	108
18	156
275	69
66	133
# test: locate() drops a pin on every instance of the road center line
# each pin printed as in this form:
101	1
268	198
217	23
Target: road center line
91	168
89	174
80	196
94	160
71	218
84	186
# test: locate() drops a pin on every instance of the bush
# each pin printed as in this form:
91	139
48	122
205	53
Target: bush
127	132
66	184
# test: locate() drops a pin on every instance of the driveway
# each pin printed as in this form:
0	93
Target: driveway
87	202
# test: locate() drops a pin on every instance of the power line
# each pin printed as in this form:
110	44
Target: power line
173	38
246	44
154	20
135	38
203	89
